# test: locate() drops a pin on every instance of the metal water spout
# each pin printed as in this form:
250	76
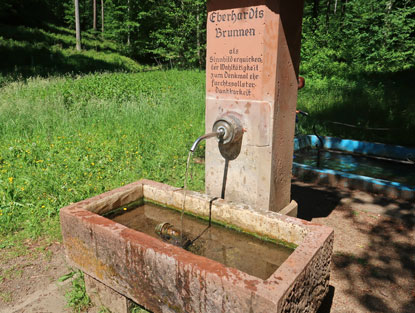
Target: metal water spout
229	131
219	134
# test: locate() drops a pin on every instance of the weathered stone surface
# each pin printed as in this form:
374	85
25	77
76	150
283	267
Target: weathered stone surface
253	49
312	284
103	296
265	223
165	278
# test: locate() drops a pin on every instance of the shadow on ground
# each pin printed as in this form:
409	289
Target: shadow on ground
26	52
314	202
373	268
328	301
31	61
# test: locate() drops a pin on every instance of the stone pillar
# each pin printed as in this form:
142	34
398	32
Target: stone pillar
253	52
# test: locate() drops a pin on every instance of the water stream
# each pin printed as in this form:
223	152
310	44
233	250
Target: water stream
189	157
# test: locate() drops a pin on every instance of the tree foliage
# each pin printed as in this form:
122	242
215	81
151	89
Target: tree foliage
338	35
161	31
368	35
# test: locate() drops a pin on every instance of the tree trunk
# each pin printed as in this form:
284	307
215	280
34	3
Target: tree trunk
128	25
77	26
389	6
315	8
94	15
335	6
198	36
102	16
328	13
343	4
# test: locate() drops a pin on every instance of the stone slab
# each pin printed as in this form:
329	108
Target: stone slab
103	296
166	278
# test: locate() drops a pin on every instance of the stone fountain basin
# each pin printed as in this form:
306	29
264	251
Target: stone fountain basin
325	176
165	278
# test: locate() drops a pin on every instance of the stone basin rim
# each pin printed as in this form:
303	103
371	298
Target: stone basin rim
308	236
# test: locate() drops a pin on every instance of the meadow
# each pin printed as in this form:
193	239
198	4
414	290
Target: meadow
63	140
66	138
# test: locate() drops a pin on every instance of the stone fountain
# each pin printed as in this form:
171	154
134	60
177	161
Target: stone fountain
251	91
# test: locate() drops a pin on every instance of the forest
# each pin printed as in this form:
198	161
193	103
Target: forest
338	35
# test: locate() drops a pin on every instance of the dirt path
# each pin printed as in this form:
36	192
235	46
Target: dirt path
29	281
373	268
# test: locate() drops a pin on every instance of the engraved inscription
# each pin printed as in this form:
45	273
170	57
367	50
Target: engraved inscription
235	32
234	75
233	16
234	62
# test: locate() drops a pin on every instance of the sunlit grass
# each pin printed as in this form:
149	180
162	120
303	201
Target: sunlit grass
63	140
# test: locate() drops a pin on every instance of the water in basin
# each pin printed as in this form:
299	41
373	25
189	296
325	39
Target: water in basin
232	248
359	165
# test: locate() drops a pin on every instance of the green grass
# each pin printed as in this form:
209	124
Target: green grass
27	52
138	309
63	140
366	100
5	296
77	297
